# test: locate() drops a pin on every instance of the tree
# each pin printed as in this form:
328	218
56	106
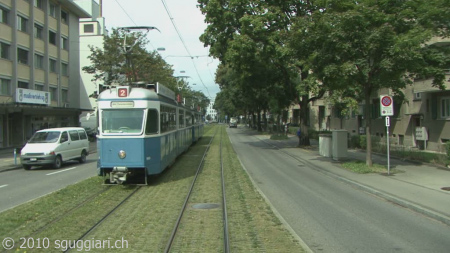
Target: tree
364	46
247	42
113	64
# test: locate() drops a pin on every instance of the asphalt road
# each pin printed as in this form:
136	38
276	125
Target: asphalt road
19	186
327	214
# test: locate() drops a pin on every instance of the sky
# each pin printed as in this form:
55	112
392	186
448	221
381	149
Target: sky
199	71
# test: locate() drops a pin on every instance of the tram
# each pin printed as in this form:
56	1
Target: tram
142	131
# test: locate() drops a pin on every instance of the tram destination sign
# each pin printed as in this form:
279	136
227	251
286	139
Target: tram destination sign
386	105
122	104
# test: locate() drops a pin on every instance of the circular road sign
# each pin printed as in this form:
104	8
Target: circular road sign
386	101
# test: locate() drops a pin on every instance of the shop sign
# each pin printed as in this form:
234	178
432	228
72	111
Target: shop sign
32	96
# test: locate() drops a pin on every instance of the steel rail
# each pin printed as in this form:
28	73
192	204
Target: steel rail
177	224
226	240
103	219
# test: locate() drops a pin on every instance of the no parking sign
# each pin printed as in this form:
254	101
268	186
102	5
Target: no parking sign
386	105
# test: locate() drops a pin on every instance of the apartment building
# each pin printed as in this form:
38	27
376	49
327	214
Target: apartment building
421	121
39	67
211	112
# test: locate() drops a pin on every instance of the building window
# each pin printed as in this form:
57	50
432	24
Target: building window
4	15
23	85
417	96
54	93
52	10
38	61
64	43
4	53
22	24
64	69
38	4
88	28
52	37
64	95
22	56
5	86
38	31
52	65
39	86
445	107
64	17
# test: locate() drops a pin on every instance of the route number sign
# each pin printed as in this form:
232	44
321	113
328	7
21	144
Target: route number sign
386	105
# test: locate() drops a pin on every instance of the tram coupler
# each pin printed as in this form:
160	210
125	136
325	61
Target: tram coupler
118	175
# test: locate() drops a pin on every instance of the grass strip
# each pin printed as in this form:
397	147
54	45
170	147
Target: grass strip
146	220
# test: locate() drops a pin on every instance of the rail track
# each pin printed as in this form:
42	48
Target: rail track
183	208
72	246
144	217
226	242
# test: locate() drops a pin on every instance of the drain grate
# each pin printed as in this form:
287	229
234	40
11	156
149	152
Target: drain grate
205	206
445	188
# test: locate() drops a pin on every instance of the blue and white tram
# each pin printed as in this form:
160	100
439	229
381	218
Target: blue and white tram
141	132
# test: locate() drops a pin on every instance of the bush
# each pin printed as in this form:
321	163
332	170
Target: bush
355	141
447	148
375	142
313	134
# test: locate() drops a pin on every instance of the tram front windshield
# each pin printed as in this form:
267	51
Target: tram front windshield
122	121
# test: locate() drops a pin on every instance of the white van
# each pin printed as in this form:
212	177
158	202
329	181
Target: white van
54	146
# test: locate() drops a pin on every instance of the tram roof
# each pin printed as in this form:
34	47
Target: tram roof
134	93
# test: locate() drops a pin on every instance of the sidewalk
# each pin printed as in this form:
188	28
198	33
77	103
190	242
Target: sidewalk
9	161
418	186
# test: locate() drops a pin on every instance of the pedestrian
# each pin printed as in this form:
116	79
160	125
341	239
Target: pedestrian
299	134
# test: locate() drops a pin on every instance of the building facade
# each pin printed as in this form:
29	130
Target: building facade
211	112
39	67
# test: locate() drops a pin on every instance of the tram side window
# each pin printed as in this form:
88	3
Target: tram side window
167	119
152	122
188	119
181	118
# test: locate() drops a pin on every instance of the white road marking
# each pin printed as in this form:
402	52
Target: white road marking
1	186
61	171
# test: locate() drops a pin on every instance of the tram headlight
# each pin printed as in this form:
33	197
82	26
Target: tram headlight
122	154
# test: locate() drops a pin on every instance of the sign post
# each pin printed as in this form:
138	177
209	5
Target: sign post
387	109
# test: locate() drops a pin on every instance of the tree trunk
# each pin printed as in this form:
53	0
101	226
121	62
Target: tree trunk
264	120
259	122
304	137
368	123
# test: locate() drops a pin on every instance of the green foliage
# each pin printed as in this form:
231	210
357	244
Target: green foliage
447	148
278	137
375	141
114	64
361	168
355	141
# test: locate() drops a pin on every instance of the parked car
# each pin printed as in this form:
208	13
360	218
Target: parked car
54	146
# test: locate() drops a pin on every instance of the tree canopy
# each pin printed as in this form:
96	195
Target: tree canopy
297	51
124	60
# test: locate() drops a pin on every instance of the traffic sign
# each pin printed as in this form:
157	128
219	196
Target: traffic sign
386	105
